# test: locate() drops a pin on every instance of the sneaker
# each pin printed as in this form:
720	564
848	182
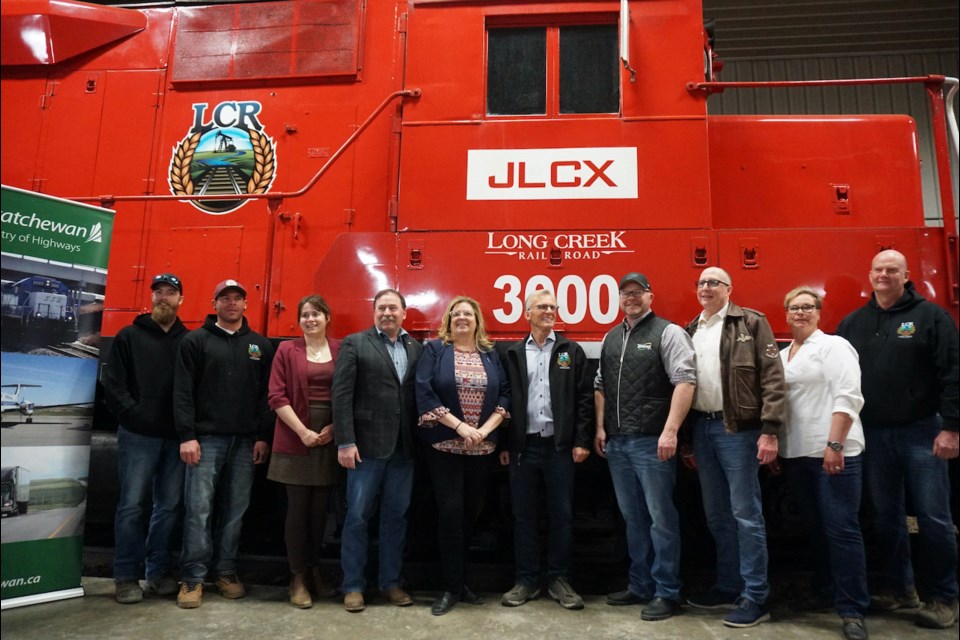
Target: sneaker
747	614
561	591
937	615
165	585
890	601
715	599
230	586
191	593
129	591
519	594
854	629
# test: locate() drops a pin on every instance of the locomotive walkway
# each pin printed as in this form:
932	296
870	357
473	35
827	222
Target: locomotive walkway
265	614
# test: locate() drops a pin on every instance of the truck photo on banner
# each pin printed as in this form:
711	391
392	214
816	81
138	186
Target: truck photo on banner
54	270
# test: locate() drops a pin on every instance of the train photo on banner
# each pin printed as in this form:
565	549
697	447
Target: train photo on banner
478	147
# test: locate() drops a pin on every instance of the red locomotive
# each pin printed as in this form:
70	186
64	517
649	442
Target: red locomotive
446	147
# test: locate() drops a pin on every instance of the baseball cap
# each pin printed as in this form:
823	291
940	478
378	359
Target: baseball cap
166	278
633	276
229	285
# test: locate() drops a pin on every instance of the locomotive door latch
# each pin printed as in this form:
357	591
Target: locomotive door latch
297	219
841	199
750	253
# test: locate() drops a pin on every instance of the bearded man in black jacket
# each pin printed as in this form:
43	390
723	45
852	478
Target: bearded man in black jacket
138	383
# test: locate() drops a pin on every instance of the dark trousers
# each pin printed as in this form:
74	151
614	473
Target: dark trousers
459	486
303	529
541	464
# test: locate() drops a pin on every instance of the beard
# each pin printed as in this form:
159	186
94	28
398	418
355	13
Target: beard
163	314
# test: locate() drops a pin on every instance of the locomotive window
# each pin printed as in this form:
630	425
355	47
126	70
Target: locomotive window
553	70
589	75
517	70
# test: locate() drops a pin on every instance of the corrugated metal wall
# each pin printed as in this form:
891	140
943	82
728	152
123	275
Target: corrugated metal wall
908	99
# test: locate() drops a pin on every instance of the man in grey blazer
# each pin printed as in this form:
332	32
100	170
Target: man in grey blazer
374	412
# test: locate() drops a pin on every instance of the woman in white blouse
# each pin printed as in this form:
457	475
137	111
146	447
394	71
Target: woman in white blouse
822	447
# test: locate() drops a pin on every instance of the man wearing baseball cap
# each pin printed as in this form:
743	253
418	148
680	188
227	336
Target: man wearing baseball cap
225	425
138	384
643	389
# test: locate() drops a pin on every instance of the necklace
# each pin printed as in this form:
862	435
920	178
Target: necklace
320	354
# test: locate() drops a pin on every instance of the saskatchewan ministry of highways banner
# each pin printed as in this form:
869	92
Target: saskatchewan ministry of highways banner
54	270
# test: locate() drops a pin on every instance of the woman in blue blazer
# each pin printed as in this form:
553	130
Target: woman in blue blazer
462	397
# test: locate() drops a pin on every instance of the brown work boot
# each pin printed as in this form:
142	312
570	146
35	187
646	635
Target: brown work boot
230	586
190	596
398	597
353	601
322	588
299	595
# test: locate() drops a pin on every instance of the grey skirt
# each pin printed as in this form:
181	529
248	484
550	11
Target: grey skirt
319	468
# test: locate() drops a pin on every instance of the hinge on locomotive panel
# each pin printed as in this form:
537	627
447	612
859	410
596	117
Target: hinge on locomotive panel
279	307
402	23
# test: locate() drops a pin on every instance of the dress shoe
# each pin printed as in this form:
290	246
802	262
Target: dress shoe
469	597
398	597
660	609
444	603
353	601
625	598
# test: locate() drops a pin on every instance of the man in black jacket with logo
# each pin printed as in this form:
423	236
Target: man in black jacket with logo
225	426
644	387
550	431
138	383
909	359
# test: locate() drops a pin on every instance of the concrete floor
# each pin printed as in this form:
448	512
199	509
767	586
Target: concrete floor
265	614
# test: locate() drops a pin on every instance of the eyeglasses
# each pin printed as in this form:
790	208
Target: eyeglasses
636	293
545	308
461	314
806	308
711	284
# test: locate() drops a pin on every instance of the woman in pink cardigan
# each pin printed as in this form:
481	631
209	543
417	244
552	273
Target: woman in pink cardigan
304	454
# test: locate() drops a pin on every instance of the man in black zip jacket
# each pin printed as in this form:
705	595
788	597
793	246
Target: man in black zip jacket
225	426
138	384
550	431
909	360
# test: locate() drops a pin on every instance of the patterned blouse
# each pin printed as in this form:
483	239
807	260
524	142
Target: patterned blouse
471	389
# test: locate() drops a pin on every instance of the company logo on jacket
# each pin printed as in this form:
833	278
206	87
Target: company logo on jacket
906	330
254	351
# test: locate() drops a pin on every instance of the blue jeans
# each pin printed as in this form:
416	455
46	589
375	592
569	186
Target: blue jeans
540	459
216	495
644	487
390	480
831	507
727	465
151	487
899	461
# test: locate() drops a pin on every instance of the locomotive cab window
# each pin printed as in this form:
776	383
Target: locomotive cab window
553	70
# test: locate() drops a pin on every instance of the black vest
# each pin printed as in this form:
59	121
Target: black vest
636	388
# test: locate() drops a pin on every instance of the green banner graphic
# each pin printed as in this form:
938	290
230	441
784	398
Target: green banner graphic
54	272
51	228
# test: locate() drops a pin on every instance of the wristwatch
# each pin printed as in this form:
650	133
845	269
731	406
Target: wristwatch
836	445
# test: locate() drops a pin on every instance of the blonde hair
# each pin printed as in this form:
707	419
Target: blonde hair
480	335
799	291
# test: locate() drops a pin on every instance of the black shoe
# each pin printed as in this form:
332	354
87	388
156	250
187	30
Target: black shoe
469	597
854	629
624	598
444	603
660	609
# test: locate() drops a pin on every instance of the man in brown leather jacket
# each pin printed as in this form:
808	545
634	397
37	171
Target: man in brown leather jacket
737	413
